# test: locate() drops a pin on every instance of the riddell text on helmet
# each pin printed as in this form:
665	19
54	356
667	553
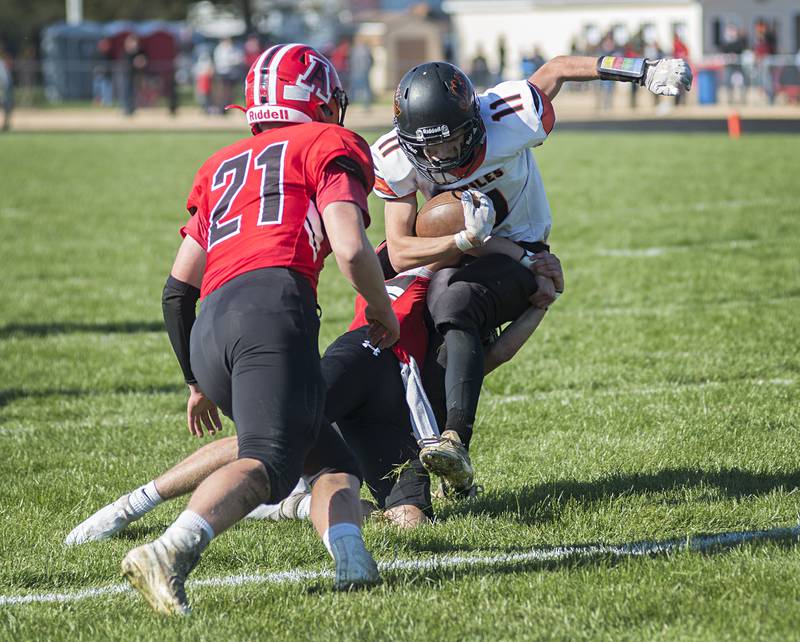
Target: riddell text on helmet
255	115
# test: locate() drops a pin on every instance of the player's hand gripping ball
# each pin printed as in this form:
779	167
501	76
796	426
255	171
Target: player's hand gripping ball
466	213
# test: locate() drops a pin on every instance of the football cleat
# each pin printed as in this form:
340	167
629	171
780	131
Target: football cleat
355	567
158	571
285	509
105	523
448	458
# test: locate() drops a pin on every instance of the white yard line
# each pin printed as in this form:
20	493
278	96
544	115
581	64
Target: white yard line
648	252
633	549
640	390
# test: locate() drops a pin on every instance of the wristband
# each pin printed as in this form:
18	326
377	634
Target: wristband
528	259
462	241
621	69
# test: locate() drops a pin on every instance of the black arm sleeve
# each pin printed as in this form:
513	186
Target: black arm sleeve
178	303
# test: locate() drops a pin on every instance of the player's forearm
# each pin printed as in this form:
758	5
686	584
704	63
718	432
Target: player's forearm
554	73
359	264
513	338
499	245
178	303
408	252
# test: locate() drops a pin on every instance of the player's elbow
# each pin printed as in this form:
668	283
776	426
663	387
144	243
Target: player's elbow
399	257
399	263
350	252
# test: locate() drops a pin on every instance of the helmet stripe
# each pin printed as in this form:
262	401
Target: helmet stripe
257	71
273	68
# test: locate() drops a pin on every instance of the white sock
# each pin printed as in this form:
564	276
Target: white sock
337	532
304	508
189	532
144	499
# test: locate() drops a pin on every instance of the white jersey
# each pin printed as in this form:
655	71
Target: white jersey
517	116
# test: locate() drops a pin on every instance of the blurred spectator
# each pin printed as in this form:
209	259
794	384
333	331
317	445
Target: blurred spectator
103	85
764	41
501	58
479	70
360	68
734	43
204	81
133	63
252	50
6	86
228	63
340	57
531	63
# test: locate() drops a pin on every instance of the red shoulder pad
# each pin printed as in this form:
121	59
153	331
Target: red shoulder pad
347	149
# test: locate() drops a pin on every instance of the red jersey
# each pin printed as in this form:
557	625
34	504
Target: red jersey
407	292
255	203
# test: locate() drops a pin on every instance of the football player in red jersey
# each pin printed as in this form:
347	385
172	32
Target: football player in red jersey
254	246
447	137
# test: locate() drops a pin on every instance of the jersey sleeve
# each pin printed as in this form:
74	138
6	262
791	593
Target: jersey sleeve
520	111
337	184
344	147
197	228
196	204
395	176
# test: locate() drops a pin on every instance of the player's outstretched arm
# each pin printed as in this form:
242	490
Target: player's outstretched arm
359	264
178	302
664	76
555	72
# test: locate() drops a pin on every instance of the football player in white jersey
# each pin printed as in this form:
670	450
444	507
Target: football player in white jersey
446	137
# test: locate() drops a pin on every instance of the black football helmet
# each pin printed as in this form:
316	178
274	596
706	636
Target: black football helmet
435	102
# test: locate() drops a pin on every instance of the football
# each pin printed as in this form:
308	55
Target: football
442	215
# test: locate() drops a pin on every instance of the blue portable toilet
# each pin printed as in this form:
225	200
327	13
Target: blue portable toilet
68	54
707	86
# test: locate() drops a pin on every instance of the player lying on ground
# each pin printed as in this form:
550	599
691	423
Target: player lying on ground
254	246
446	137
367	398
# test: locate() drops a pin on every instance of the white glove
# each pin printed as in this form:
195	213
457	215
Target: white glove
666	76
478	221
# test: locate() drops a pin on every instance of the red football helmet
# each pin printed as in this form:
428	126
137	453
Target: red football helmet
289	83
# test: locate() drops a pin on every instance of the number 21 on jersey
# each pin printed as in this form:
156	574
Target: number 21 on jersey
233	172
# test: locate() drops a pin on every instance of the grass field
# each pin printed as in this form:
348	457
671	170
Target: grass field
658	401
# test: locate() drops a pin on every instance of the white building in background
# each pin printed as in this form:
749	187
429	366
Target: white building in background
554	25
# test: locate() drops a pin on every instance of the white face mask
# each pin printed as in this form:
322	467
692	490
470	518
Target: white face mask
446	150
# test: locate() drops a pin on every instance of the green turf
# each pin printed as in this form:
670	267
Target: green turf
658	400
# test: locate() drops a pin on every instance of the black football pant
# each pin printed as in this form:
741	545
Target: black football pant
366	399
467	304
254	353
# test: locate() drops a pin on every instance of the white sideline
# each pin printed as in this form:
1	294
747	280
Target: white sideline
575	393
647	252
633	549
